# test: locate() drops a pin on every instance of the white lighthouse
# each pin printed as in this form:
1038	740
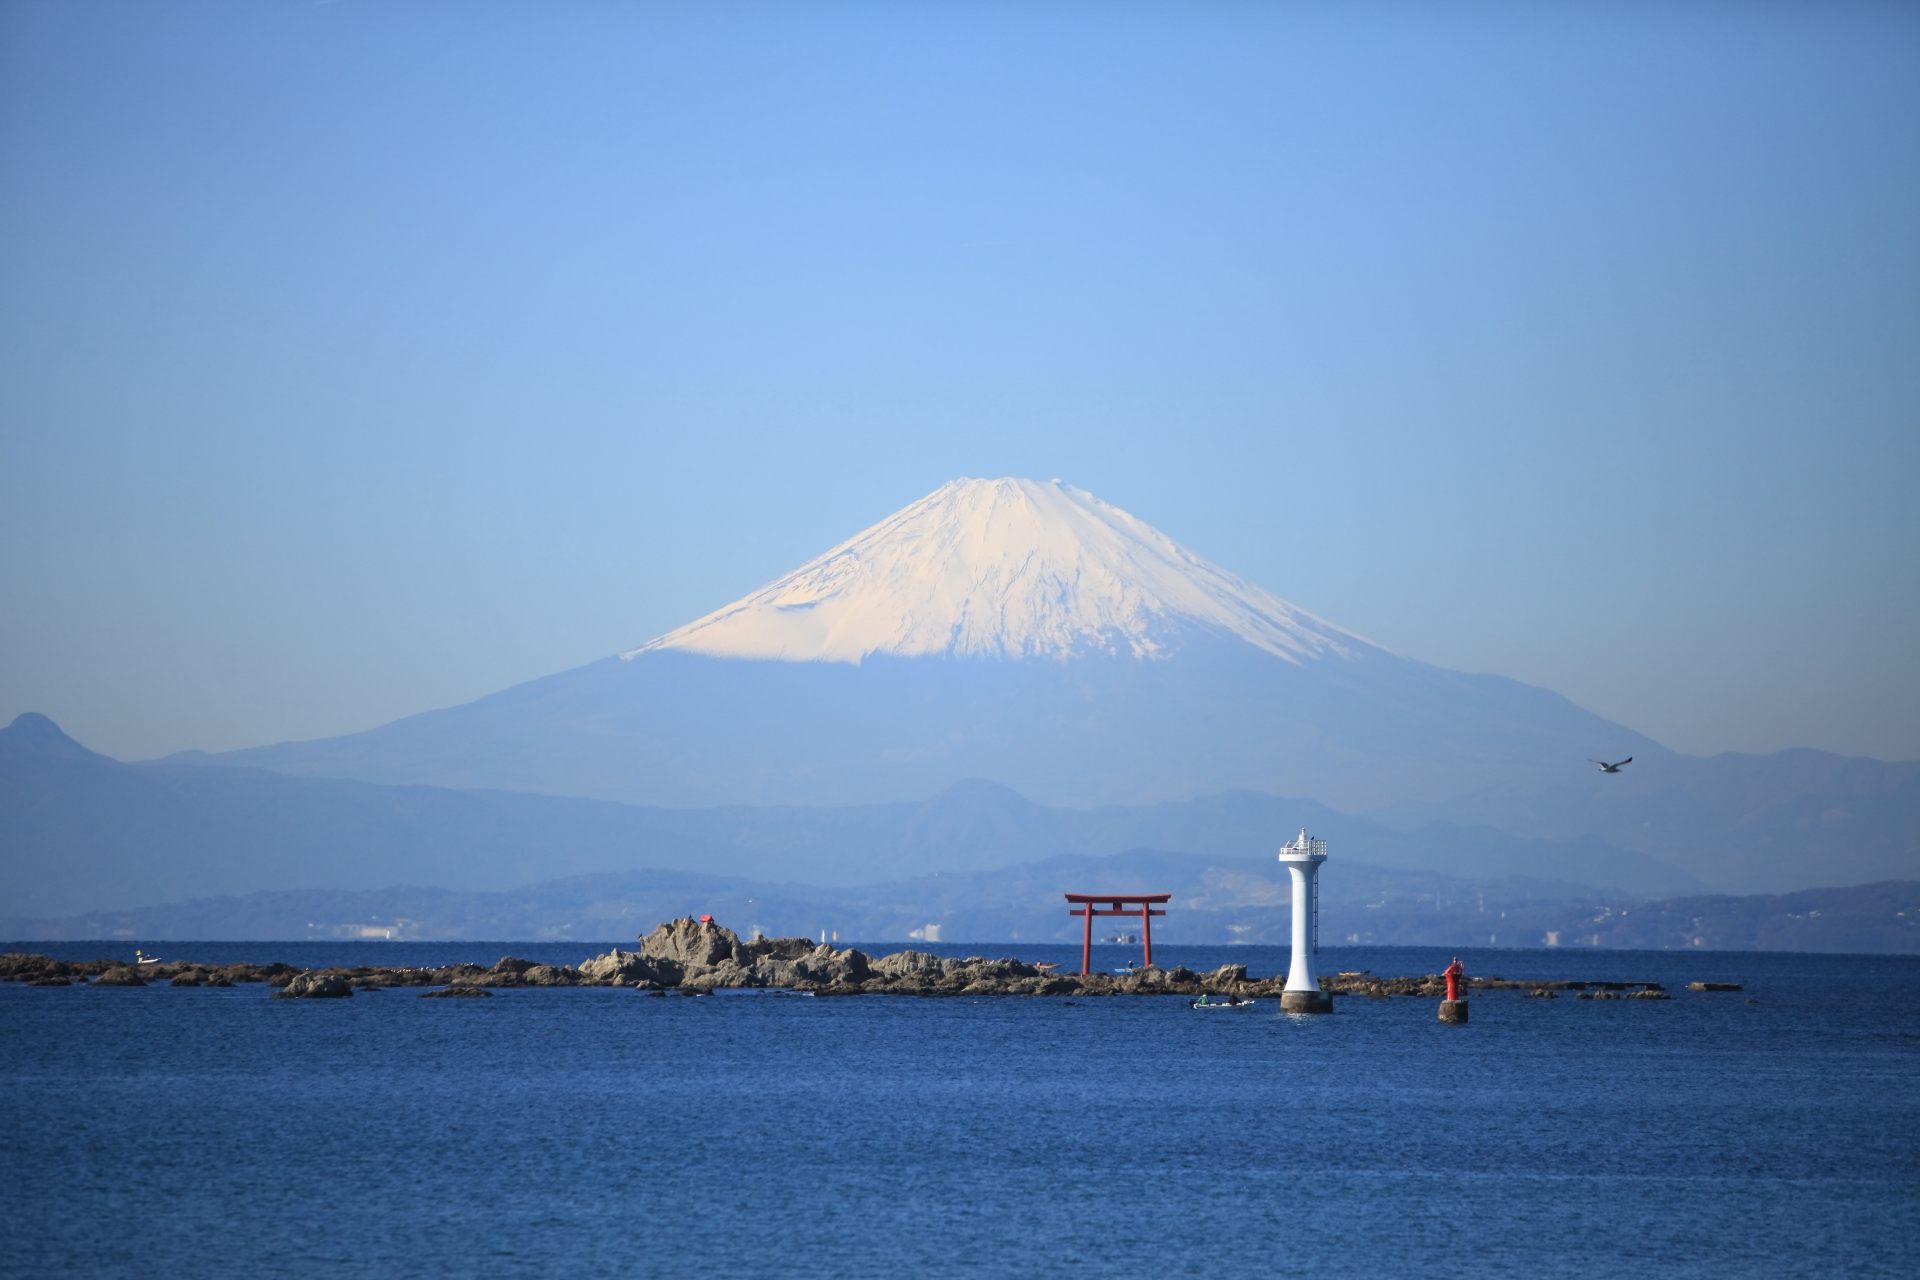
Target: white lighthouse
1303	858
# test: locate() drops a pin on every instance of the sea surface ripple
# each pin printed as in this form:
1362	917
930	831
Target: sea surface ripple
189	1132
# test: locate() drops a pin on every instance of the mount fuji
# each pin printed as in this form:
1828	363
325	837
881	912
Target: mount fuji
1011	630
1005	569
1030	634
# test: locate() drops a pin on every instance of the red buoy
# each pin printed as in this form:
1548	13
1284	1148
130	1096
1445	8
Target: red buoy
1454	1007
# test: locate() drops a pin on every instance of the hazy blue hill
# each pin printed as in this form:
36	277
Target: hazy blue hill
676	728
1405	743
1774	823
80	832
1214	903
96	848
1883	918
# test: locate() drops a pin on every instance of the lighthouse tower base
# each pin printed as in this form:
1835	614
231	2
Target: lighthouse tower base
1305	1002
1453	1011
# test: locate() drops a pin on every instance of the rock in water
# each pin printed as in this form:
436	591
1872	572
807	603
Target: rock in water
17	967
314	986
547	975
515	972
691	944
685	948
1227	977
120	976
826	964
456	993
620	968
912	964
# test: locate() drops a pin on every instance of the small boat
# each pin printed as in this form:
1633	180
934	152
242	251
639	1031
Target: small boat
140	958
1234	1002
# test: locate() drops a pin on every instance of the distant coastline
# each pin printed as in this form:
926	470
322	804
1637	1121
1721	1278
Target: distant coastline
1875	919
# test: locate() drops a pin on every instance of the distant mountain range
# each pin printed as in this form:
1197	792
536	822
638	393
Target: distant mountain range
1021	632
1035	636
1002	675
97	848
81	832
1212	904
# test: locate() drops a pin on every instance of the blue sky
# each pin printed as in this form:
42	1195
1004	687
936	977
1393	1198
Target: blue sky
357	359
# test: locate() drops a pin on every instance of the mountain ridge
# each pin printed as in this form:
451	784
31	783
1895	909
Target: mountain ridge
1026	632
85	833
945	655
1213	904
670	726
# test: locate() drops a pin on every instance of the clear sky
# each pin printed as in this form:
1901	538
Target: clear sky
357	359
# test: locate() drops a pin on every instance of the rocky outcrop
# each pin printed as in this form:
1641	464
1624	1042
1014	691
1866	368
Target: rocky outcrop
18	967
514	972
550	975
831	966
453	973
688	947
1228	977
319	984
820	968
120	976
455	993
700	956
617	968
696	958
913	964
774	949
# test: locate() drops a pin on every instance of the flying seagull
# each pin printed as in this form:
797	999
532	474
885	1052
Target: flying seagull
1609	768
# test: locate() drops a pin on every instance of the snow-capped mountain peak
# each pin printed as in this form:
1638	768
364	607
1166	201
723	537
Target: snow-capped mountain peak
1004	569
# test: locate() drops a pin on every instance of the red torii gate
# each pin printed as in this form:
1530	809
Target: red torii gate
1116	904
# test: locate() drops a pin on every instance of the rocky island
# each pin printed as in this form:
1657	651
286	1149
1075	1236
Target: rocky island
693	957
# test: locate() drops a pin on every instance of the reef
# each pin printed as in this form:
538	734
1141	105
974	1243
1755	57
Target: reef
693	957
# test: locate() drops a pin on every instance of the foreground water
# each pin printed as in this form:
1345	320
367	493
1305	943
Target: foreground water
206	1131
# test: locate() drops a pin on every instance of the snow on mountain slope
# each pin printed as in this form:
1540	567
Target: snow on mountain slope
1004	569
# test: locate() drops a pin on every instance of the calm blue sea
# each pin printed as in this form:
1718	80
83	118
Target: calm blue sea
218	1132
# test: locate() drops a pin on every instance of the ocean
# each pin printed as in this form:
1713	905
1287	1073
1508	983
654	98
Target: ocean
163	1132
